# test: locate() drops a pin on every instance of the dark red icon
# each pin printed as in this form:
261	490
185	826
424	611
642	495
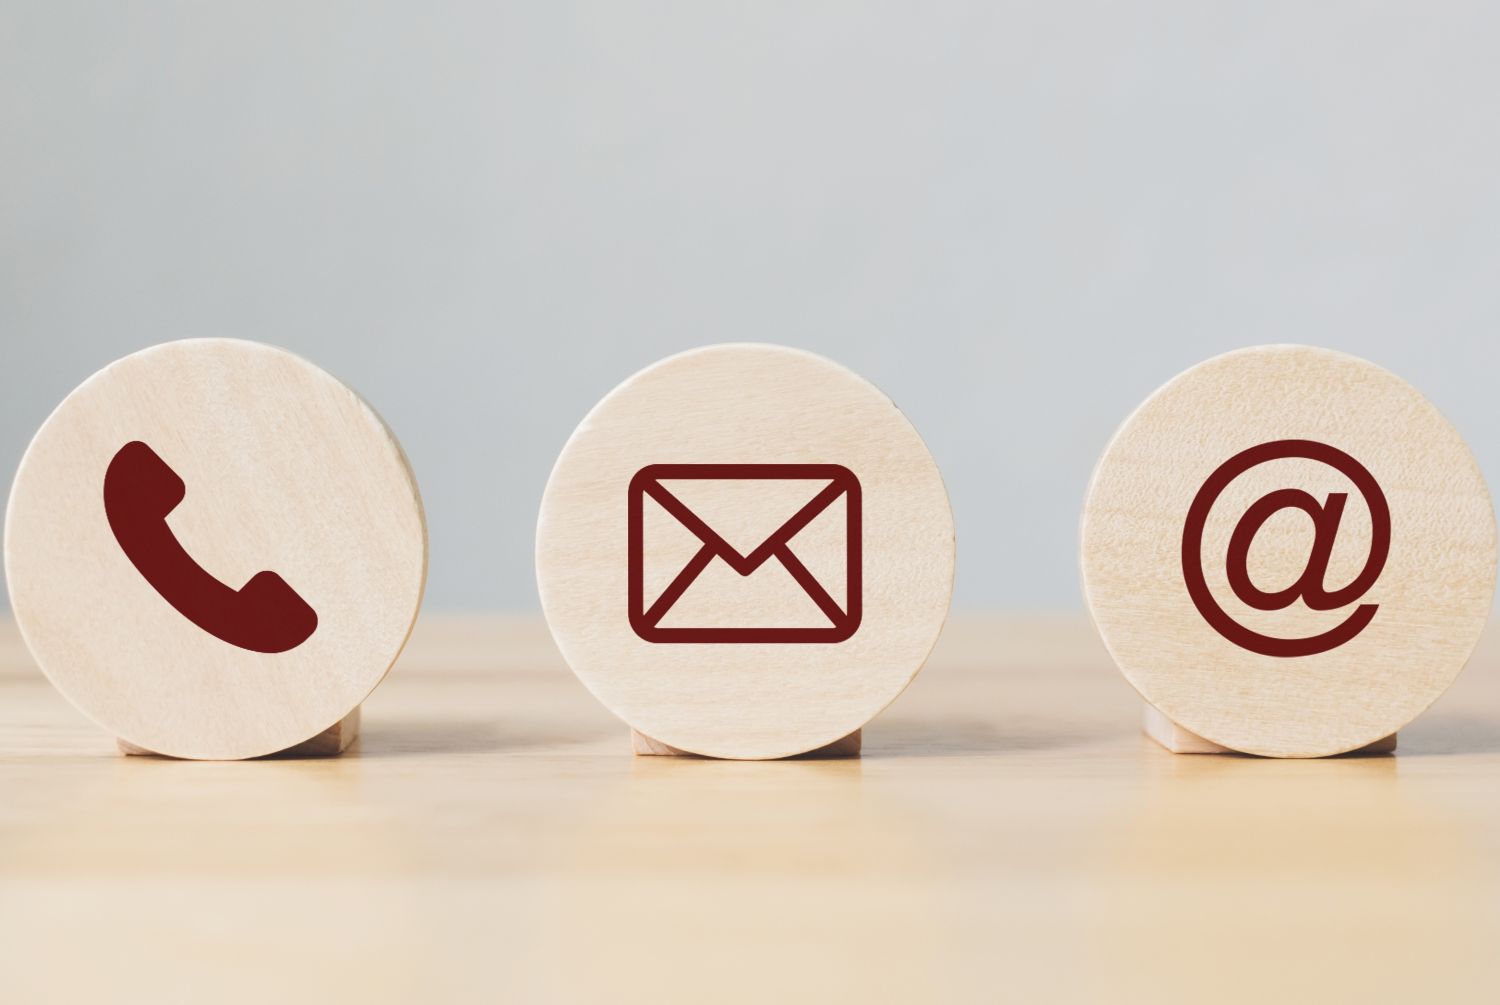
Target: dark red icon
1310	586
265	615
842	484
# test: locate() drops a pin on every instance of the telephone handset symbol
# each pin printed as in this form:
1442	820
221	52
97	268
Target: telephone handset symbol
265	615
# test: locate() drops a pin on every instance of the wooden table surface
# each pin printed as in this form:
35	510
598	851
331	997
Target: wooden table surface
1007	835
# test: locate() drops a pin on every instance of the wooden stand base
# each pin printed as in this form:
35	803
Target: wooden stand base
330	743
644	746
1180	741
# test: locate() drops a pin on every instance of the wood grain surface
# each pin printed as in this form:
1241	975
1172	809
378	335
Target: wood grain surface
281	473
746	405
1341	459
1008	835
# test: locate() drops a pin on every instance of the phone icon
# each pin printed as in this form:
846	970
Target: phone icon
265	615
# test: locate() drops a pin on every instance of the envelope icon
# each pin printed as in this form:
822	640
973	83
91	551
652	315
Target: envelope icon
773	557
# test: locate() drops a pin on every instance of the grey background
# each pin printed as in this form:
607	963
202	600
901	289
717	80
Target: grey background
1016	218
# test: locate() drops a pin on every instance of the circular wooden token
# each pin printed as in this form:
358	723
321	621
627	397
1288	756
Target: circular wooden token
745	551
215	549
1289	551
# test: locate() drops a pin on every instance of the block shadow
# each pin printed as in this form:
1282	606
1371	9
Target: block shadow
969	738
423	737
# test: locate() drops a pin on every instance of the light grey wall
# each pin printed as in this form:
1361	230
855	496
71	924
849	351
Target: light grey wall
1017	218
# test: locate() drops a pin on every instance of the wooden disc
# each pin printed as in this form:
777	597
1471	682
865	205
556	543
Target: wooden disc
215	549
745	551
1289	551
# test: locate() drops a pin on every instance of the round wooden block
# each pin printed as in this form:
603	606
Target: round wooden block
215	549
745	551
1289	551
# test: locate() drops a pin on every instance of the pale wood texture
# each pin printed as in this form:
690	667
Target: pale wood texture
1431	598
1182	741
643	745
1008	835
286	470
331	742
746	404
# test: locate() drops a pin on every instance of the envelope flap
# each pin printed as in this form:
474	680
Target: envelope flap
745	511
